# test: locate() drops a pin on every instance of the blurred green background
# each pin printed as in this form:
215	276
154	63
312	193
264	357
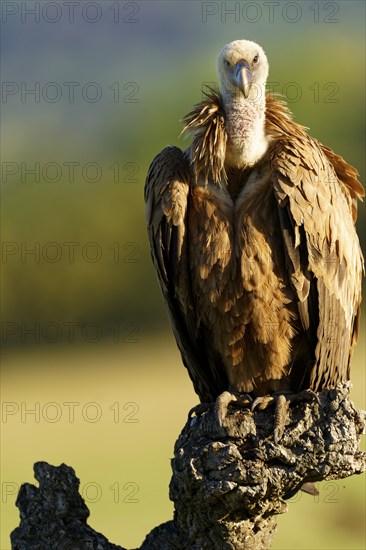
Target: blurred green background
86	342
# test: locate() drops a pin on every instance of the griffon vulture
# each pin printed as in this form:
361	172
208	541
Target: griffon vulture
252	235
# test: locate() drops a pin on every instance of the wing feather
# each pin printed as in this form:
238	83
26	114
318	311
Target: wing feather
323	252
167	197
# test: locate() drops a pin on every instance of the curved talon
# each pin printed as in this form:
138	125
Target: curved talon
221	406
306	395
223	401
262	402
198	409
243	399
280	412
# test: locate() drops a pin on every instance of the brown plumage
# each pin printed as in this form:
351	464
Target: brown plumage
253	239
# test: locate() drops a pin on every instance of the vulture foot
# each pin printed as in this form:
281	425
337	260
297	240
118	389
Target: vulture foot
197	410
223	401
305	395
282	401
282	405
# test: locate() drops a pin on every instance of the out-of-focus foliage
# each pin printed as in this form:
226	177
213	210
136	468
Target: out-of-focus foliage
92	262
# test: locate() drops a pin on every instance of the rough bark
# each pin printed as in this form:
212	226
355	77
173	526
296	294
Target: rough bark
228	483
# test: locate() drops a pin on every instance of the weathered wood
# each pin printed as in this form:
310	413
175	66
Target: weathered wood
53	516
228	483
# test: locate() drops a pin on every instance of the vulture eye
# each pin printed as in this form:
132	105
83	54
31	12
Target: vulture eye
227	63
255	60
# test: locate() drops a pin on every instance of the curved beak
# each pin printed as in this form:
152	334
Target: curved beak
243	76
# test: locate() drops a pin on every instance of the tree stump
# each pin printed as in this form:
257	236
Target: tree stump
228	482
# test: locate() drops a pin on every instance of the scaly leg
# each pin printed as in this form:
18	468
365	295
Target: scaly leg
223	401
282	401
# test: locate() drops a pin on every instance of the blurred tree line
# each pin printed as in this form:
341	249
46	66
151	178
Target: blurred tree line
74	244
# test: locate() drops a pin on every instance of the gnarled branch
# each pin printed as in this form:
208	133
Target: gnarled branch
228	482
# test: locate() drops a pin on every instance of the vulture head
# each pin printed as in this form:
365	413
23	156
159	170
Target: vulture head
243	70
